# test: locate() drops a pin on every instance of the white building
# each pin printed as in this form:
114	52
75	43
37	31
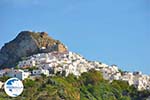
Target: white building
2	73
20	74
72	63
29	63
38	72
116	76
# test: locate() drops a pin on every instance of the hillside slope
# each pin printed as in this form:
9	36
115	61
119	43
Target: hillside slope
89	86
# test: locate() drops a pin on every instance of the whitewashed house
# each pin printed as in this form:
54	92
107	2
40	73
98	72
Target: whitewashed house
45	72
81	68
103	65
2	73
117	76
20	74
29	63
38	72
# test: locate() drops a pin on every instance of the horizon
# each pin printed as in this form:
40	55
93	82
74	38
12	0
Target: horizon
114	32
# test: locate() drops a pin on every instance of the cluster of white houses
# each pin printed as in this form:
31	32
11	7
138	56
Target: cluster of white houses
139	80
66	63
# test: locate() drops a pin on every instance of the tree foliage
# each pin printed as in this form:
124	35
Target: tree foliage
89	86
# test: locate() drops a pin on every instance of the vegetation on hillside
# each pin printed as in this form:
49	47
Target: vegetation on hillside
89	86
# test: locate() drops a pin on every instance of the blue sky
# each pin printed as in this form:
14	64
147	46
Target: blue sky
110	31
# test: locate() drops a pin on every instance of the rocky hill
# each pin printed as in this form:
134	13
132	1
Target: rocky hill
54	73
26	44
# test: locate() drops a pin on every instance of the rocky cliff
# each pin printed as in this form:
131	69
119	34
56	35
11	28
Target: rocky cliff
25	44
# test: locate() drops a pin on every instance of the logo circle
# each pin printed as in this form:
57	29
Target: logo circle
13	87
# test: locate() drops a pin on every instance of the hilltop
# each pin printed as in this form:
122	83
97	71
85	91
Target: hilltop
26	44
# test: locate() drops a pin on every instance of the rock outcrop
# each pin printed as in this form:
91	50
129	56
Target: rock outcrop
26	44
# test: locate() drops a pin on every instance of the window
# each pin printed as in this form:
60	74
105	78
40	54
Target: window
15	75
